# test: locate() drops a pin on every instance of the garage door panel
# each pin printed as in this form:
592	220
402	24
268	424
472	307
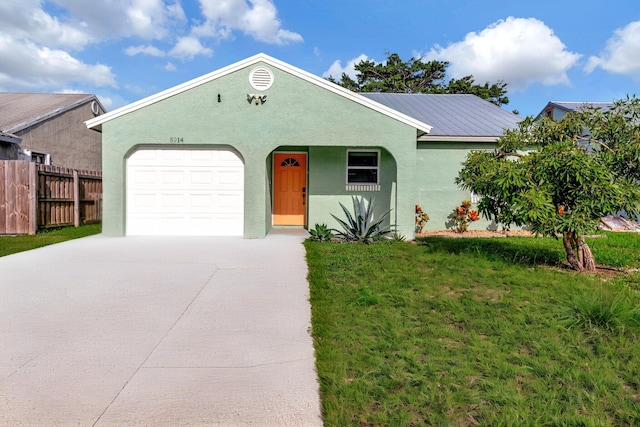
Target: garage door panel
185	192
175	177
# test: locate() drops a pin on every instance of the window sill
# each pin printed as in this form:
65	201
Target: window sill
363	187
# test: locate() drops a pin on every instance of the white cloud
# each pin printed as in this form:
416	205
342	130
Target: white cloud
146	19
518	51
188	48
622	53
144	50
26	20
256	18
42	41
25	66
106	101
336	69
39	50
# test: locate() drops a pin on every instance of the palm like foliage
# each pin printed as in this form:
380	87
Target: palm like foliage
360	227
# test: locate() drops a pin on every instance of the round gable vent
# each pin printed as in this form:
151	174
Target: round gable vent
261	78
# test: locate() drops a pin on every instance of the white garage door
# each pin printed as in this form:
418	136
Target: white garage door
185	193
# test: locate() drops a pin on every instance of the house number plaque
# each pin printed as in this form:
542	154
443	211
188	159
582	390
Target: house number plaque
176	140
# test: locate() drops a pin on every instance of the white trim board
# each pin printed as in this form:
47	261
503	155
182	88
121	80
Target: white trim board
259	58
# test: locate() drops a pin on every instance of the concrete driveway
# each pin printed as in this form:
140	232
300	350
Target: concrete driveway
158	331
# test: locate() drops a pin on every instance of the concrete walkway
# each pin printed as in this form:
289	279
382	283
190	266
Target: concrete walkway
158	331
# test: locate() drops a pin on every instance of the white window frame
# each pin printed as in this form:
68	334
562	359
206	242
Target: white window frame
475	198
377	167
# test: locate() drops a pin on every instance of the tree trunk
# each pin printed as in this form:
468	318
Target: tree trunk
584	254
568	241
584	260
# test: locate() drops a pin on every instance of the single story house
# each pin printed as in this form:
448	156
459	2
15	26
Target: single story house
261	144
558	109
49	128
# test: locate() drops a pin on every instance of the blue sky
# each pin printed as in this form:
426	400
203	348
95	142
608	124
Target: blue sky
125	50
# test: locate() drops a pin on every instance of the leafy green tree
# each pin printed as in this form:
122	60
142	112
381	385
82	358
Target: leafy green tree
415	76
561	177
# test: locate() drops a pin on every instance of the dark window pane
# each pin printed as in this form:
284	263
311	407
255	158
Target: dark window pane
366	176
289	161
362	158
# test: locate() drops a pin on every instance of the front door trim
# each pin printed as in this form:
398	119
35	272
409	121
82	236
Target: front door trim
273	182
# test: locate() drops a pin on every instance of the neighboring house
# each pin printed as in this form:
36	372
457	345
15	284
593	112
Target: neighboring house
49	128
557	110
262	144
9	146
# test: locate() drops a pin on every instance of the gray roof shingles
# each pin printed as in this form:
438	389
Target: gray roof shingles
451	114
21	110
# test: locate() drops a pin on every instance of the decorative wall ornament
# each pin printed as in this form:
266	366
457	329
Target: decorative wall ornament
257	97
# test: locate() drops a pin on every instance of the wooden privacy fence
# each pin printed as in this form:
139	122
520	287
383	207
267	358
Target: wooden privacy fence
35	196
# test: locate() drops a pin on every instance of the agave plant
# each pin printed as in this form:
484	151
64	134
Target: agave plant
321	233
360	227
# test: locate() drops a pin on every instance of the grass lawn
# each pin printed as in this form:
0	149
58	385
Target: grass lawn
469	332
13	244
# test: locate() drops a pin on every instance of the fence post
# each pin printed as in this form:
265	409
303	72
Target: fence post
33	199
76	199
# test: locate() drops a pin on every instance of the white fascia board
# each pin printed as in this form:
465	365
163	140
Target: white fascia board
261	57
444	138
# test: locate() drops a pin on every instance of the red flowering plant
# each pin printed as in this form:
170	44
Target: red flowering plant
421	219
463	215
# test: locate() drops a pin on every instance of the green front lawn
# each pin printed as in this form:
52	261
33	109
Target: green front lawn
13	244
469	332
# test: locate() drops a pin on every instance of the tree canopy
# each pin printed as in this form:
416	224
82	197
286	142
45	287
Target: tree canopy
561	177
416	76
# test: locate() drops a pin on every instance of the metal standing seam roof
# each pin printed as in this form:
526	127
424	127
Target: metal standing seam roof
19	111
577	106
454	115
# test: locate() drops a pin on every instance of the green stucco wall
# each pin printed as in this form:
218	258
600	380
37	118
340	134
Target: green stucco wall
327	187
437	193
297	113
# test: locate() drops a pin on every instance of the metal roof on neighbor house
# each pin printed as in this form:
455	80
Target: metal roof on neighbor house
453	116
577	106
569	107
19	111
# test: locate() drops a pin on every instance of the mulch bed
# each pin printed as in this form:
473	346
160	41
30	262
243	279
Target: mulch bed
474	233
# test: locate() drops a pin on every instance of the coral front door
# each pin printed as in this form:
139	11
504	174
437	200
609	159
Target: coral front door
289	188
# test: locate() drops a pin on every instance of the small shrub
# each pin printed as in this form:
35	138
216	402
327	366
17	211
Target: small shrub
602	311
463	215
360	227
321	233
421	219
399	237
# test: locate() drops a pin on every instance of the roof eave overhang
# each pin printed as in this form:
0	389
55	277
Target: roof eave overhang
456	138
11	139
34	121
97	122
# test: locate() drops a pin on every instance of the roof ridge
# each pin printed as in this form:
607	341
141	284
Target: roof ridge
252	60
